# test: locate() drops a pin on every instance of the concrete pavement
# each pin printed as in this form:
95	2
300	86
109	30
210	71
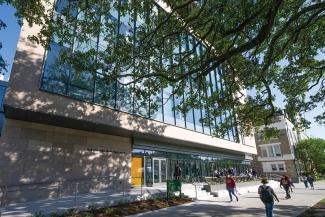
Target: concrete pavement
248	205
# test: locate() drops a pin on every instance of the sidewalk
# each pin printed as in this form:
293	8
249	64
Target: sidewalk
248	205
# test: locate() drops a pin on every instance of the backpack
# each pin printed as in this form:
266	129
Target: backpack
266	196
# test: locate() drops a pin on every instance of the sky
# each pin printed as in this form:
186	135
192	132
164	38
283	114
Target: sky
8	36
9	39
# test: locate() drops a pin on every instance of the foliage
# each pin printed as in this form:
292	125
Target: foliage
3	63
37	214
72	211
55	214
251	45
312	152
92	206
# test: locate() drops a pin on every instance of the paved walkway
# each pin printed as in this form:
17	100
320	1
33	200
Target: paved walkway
248	205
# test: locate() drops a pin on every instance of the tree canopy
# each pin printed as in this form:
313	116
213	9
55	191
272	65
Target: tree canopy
311	153
3	63
260	45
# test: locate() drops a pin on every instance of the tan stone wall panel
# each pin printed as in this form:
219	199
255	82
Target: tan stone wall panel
38	167
119	138
95	142
44	155
57	137
10	155
78	140
11	131
100	136
62	147
39	145
64	130
13	143
42	127
36	156
64	157
83	133
33	134
16	167
12	122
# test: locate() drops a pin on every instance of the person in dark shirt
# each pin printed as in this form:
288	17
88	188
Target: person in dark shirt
254	173
177	172
310	181
286	182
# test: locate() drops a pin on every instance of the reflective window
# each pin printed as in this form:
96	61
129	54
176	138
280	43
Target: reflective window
92	87
168	106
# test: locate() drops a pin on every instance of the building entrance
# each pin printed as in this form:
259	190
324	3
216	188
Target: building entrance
159	171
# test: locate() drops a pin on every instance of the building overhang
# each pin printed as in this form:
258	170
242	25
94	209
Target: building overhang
139	138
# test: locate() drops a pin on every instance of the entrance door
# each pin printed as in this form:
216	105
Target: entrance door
159	171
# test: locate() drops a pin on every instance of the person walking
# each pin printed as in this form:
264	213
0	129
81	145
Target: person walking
231	185
310	181
285	182
254	173
267	196
177	172
304	179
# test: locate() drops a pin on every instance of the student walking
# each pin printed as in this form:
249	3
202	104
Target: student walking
304	179
285	182
231	186
311	181
177	172
267	196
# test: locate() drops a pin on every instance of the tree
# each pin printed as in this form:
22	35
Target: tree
259	45
3	63
312	152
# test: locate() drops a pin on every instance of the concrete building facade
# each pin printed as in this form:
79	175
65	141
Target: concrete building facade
53	133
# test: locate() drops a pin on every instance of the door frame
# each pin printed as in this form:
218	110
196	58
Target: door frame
159	171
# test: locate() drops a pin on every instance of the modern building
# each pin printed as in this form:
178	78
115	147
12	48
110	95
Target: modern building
278	155
58	127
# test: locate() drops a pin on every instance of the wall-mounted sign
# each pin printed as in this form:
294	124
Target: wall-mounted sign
105	151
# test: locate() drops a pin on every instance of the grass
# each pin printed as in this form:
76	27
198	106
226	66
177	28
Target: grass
314	210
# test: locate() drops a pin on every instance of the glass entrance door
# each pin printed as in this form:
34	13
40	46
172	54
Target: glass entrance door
159	171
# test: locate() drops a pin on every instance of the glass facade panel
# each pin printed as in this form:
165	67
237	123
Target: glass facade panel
168	106
92	87
105	94
194	167
180	121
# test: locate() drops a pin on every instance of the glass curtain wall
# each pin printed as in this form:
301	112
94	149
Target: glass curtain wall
90	87
194	167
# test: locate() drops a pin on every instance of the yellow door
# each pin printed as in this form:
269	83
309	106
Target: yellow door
137	171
